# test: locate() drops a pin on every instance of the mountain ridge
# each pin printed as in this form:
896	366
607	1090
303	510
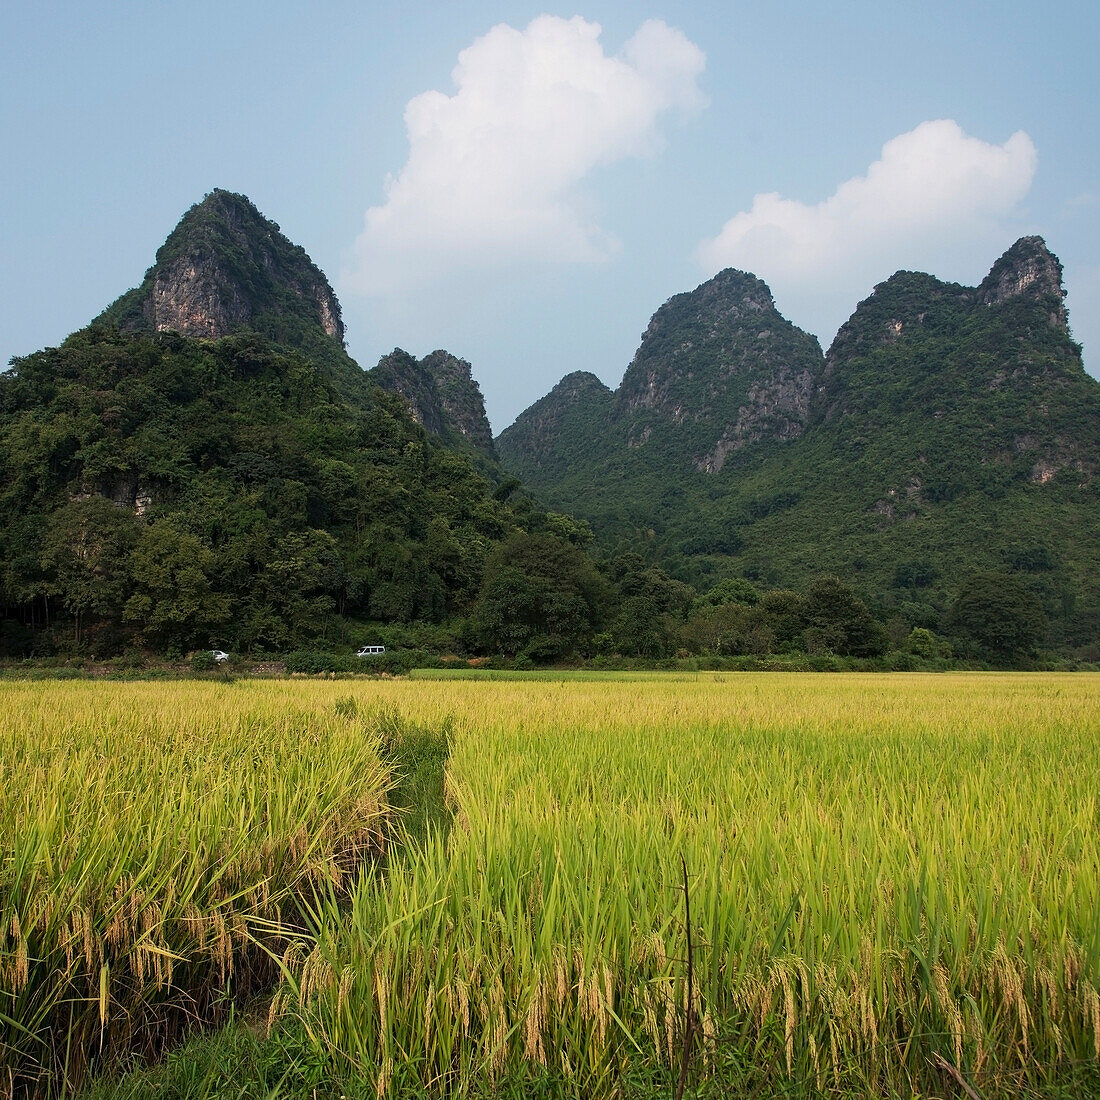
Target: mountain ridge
225	268
945	427
442	397
249	484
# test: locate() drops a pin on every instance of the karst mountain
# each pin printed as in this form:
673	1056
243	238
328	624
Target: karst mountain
948	430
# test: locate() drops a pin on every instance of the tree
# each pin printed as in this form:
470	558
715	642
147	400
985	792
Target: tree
539	593
301	582
732	590
784	614
174	601
731	628
840	619
642	629
997	612
86	554
923	643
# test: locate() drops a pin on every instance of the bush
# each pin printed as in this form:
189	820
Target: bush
400	662
902	661
203	661
315	661
130	660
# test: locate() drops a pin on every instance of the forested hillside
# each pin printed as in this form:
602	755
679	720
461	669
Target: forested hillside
205	463
950	432
225	490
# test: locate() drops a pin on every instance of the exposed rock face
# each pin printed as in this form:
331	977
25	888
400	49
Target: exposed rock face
224	268
723	360
1027	268
192	297
460	398
442	396
401	373
777	408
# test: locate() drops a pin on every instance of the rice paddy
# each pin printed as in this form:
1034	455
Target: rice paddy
880	870
158	843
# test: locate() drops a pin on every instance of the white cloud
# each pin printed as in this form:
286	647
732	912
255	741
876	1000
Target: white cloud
937	199
493	170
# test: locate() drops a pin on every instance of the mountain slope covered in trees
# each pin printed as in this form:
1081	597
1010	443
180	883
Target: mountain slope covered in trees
949	432
205	463
442	397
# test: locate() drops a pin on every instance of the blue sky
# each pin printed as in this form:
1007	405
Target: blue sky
563	180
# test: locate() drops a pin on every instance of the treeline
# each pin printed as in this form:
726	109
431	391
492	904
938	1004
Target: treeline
541	598
166	495
544	599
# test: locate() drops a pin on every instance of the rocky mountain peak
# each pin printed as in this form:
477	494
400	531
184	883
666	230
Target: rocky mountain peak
732	292
897	308
579	385
460	398
441	394
728	299
577	394
572	419
1028	269
226	268
722	358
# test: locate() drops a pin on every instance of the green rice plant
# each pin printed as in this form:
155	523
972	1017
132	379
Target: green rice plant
160	843
881	869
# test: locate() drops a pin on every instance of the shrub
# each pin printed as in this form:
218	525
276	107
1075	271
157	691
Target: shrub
315	661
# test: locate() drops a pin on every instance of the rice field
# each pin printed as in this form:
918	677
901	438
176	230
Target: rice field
159	843
879	869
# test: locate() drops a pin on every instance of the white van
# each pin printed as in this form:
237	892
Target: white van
370	651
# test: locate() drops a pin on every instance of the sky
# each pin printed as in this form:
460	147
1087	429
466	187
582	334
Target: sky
525	185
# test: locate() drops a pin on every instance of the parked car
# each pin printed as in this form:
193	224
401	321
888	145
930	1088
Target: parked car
219	655
370	651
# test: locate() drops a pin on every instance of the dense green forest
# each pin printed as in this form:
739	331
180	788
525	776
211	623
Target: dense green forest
204	465
950	433
182	491
173	493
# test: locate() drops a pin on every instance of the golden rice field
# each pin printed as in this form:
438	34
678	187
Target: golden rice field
880	869
156	840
